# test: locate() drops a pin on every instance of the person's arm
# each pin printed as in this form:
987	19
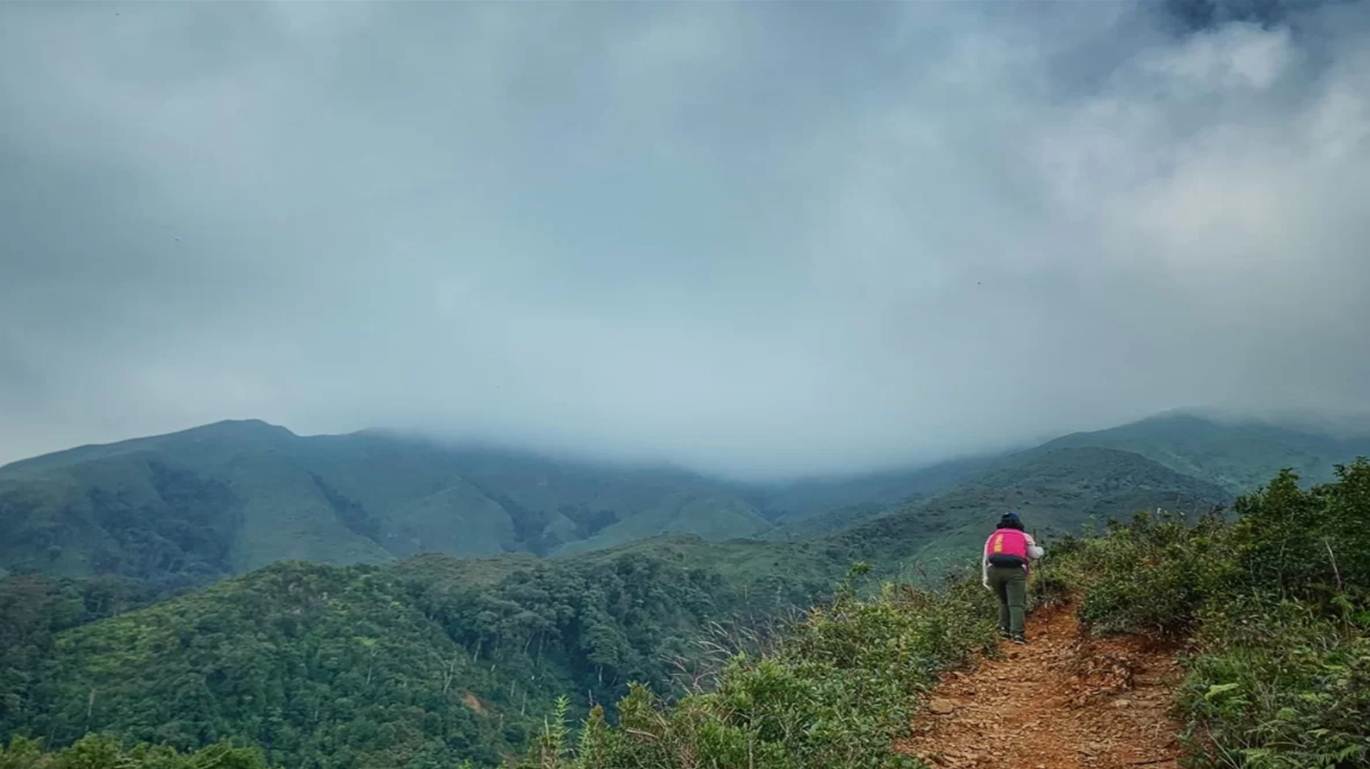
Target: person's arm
1034	551
984	568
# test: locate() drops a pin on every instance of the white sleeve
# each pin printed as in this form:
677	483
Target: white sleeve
984	569
1034	551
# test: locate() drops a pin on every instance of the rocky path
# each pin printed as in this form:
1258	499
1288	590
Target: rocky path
1064	701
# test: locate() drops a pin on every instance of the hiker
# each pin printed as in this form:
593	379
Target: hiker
1004	570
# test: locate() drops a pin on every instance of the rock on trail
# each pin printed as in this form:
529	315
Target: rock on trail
1064	701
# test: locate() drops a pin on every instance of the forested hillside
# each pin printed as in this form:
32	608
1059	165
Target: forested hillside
234	496
1272	606
190	507
417	664
427	659
1057	491
433	659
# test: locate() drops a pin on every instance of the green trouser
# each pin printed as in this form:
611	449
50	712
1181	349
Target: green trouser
1009	584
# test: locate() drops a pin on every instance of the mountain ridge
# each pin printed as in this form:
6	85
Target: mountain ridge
230	496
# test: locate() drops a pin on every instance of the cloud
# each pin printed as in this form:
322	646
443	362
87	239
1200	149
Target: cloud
753	239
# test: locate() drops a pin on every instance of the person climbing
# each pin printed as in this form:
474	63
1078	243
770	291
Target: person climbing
1004	570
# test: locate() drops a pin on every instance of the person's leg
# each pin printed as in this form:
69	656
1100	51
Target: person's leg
1000	588
1015	587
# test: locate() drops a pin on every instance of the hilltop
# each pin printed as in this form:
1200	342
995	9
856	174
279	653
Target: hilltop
1237	455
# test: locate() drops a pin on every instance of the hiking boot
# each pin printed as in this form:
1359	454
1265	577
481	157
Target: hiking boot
1019	639
1004	634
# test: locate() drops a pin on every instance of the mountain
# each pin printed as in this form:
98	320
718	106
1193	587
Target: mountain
226	498
1055	490
234	496
1237	455
409	658
434	659
190	507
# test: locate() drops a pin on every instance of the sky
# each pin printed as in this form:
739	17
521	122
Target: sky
759	239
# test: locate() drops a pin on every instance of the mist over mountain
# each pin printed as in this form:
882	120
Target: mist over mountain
620	385
383	598
755	239
229	497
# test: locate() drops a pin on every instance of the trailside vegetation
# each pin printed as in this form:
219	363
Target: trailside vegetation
837	690
1276	603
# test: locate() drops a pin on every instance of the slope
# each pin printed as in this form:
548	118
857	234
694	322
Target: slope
1057	491
420	663
188	507
1238	456
233	496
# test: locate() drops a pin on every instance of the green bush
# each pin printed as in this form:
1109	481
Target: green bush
1153	575
1311	544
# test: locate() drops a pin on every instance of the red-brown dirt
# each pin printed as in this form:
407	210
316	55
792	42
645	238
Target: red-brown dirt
1064	701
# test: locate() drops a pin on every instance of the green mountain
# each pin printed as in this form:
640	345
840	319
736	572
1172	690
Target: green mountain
190	507
234	496
1239	456
1056	491
222	499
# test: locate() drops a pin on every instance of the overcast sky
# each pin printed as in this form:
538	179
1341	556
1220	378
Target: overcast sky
760	238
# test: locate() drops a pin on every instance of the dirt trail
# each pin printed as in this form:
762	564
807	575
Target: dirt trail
1064	701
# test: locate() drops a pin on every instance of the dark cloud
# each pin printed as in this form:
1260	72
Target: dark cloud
757	238
1192	15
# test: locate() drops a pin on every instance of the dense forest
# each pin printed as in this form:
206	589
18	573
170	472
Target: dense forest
408	665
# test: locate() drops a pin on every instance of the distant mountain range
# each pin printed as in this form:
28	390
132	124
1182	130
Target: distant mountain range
398	648
230	497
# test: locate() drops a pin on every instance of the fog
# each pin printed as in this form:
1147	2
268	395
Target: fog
759	239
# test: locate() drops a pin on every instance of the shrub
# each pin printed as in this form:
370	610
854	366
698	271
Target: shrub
1153	575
